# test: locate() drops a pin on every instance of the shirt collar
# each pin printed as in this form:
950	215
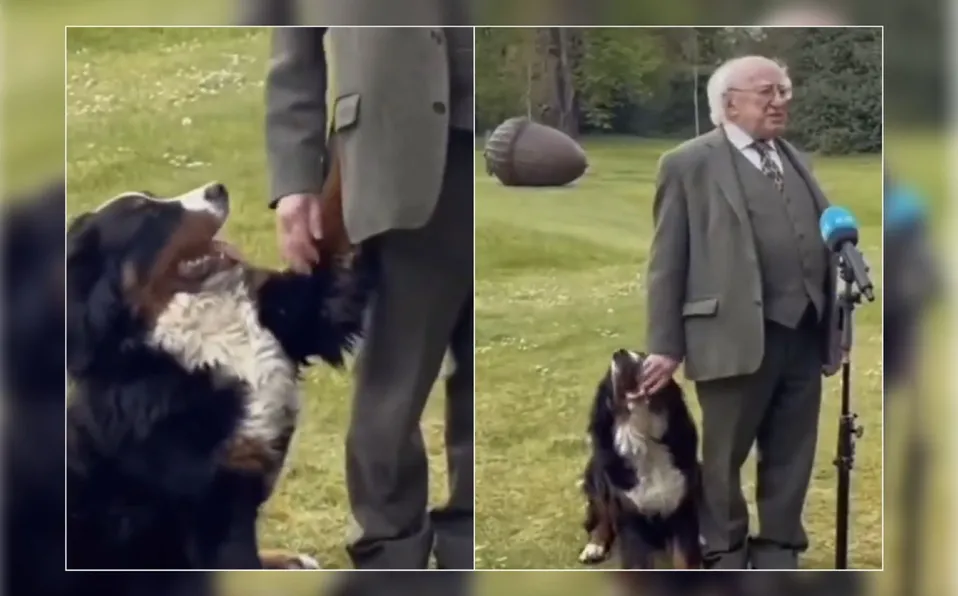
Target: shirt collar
741	139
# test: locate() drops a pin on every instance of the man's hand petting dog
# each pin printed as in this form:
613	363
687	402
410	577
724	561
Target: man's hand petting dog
299	228
657	370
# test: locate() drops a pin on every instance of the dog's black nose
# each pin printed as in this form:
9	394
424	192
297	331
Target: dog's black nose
216	193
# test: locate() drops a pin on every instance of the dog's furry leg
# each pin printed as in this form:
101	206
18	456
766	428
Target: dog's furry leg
684	546
635	552
599	526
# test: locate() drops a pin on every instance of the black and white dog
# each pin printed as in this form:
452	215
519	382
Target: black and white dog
184	364
642	477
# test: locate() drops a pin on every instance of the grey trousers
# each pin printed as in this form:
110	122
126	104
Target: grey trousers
776	408
424	304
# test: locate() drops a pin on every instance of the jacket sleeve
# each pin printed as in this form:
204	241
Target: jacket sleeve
668	264
296	86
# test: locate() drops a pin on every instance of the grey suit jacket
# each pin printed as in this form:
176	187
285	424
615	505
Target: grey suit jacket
390	119
704	282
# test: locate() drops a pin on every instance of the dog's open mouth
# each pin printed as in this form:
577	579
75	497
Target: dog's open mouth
218	255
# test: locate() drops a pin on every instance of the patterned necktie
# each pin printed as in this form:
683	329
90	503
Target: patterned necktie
769	167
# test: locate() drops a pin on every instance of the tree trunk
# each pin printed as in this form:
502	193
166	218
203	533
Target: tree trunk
564	84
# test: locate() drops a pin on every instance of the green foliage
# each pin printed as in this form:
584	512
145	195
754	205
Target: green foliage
615	68
501	73
610	68
642	81
838	93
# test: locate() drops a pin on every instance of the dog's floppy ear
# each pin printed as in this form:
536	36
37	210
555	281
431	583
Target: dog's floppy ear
92	303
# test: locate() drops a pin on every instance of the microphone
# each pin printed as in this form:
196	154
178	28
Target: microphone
840	233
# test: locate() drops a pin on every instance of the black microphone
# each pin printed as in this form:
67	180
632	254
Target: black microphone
840	233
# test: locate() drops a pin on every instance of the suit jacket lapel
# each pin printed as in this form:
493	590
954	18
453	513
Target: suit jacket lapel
723	166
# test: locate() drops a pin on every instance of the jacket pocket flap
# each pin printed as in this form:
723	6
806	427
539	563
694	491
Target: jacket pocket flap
346	112
700	308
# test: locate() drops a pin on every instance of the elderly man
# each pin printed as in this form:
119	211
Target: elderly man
741	287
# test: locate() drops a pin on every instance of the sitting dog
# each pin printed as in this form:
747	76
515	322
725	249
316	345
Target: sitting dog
33	381
643	474
184	362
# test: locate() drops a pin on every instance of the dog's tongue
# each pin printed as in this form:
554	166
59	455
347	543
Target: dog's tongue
228	249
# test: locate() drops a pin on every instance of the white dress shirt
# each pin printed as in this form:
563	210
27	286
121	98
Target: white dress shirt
743	142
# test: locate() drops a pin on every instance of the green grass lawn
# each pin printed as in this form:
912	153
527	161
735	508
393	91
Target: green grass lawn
559	287
168	110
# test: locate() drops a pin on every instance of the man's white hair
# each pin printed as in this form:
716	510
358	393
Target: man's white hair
725	77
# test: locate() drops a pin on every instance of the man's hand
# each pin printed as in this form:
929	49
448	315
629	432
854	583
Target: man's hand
657	370
298	228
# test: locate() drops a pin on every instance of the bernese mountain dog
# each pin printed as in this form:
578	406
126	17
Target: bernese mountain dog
34	380
642	477
184	362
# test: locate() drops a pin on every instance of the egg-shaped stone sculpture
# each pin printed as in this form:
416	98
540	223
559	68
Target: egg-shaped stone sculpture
520	152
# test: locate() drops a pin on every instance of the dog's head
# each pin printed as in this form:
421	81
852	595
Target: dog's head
625	374
127	259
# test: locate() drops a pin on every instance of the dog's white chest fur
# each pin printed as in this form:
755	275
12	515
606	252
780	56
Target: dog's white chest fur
661	486
219	328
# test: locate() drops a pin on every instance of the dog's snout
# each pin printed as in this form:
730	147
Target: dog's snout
216	193
211	198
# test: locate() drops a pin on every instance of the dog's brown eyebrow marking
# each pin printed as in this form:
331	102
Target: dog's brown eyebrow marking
150	295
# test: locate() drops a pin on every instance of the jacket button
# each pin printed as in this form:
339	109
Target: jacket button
436	37
758	302
439	107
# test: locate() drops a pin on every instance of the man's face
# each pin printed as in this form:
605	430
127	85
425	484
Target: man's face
758	99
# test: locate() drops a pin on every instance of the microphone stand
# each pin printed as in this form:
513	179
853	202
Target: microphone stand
848	429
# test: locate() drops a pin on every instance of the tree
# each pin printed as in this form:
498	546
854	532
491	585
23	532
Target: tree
837	75
565	77
652	82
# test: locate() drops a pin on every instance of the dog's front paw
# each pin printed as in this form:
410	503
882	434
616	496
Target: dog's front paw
593	553
278	559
